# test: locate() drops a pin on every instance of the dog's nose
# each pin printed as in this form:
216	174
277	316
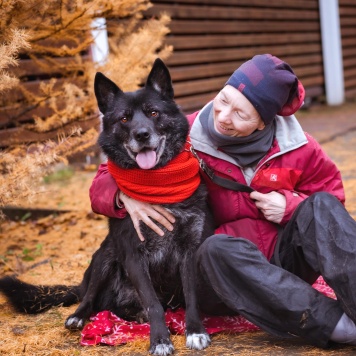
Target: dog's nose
142	134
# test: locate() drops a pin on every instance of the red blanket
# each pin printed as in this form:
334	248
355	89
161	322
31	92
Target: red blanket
107	328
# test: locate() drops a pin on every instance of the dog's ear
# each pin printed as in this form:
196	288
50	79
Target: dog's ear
159	79
105	91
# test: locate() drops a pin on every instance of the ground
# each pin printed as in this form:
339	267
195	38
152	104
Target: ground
58	248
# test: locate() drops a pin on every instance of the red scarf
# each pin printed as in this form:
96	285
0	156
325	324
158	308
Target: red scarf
172	183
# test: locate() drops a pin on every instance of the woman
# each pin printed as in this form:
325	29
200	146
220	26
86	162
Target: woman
248	134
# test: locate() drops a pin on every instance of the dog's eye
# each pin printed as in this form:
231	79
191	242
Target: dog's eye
123	119
154	113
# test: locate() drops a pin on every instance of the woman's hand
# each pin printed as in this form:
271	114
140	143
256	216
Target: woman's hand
272	205
145	212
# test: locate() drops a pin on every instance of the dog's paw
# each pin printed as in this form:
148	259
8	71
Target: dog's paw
164	348
198	341
74	323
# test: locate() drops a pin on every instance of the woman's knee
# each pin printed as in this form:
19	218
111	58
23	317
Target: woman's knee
317	203
323	198
220	246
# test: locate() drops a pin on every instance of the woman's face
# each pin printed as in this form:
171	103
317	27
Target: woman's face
234	115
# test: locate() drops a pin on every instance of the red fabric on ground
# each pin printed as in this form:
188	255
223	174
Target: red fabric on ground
106	328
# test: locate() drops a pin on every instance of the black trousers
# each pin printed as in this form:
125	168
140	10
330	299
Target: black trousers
320	239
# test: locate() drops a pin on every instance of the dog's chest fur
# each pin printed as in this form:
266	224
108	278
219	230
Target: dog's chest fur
166	252
187	234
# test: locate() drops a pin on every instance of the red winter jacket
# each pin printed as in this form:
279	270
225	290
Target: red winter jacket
295	166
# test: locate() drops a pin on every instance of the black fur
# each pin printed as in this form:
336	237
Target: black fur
30	299
137	280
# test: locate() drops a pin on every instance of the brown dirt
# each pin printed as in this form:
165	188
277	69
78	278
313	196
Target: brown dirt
58	248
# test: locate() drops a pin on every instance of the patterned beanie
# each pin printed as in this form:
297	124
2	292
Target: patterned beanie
270	85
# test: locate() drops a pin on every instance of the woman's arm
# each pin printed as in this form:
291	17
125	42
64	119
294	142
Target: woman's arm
103	195
319	174
103	192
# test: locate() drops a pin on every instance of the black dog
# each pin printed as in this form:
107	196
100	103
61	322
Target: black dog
134	279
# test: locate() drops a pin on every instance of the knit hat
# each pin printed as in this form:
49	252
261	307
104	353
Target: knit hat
270	85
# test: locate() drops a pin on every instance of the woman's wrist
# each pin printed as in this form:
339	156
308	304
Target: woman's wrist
119	204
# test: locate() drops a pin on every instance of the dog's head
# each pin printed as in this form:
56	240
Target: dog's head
144	128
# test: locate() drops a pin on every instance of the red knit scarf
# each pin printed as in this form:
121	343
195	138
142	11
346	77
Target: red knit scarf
172	183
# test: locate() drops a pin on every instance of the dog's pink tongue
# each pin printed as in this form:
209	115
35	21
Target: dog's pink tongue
146	159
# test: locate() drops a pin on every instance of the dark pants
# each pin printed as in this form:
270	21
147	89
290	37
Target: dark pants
320	239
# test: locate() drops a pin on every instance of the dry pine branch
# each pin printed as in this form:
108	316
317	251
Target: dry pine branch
58	29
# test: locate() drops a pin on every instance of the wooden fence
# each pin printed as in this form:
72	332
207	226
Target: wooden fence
211	38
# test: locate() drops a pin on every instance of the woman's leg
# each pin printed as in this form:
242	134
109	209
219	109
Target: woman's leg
321	239
269	296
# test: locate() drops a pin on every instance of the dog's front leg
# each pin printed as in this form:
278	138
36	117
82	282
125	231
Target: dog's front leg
93	282
160	343
197	337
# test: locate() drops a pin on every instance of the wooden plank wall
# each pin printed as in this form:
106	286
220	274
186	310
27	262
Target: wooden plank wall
211	38
347	10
